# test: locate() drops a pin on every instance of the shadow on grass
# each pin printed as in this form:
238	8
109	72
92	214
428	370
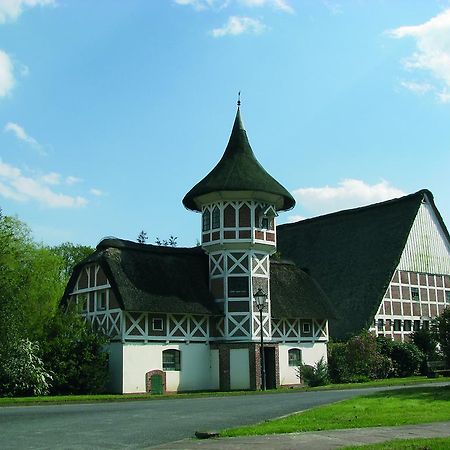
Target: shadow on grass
430	393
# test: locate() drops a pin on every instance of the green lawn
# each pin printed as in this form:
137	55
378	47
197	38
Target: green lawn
388	408
407	444
9	401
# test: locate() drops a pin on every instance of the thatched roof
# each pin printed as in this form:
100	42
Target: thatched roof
353	254
293	293
154	278
238	171
175	280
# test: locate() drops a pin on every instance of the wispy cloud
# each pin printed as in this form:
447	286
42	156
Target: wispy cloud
349	193
432	54
10	10
239	25
418	88
334	7
96	192
280	5
52	178
72	180
21	134
16	186
201	5
7	80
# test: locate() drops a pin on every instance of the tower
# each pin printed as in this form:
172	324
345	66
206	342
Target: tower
239	202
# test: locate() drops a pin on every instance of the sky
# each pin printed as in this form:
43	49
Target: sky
110	111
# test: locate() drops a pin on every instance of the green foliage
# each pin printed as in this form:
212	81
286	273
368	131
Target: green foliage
142	238
22	371
357	360
406	357
424	340
313	376
74	354
70	255
171	242
440	328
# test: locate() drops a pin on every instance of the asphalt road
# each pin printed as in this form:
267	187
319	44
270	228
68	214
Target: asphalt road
142	424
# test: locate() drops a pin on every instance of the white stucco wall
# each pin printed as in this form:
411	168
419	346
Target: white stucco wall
197	372
239	368
311	353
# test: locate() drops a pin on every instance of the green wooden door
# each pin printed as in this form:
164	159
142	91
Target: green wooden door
157	384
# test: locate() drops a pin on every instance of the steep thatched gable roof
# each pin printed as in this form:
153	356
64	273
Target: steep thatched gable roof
353	254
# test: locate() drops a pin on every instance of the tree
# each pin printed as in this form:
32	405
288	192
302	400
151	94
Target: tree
71	255
440	329
142	238
74	354
171	242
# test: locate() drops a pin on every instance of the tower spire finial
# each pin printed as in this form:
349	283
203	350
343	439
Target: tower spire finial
239	99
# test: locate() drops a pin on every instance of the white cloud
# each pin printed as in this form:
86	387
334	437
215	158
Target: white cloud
295	218
418	88
444	96
332	6
21	134
239	25
201	5
52	178
349	193
432	52
280	5
16	186
10	10
6	74
72	180
96	192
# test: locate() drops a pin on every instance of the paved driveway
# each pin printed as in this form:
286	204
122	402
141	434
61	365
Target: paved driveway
142	424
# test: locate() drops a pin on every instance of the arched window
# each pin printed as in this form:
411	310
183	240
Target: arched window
206	220
294	357
216	218
171	360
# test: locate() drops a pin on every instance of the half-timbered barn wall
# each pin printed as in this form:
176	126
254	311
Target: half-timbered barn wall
420	287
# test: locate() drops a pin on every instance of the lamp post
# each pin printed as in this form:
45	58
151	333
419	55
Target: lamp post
260	299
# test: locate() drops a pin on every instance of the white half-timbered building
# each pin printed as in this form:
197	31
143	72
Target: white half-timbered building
184	319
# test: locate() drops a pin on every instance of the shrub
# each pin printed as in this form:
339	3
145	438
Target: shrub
22	371
406	357
316	375
357	360
440	328
75	355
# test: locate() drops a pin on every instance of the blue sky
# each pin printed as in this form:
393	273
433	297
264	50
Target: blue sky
110	111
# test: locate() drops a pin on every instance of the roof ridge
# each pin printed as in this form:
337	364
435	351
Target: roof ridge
151	248
344	212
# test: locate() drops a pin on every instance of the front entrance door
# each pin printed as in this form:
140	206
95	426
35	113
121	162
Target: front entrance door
269	364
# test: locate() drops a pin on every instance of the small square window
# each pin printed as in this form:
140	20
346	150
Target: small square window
415	294
397	325
407	325
306	327
157	324
101	301
171	360
447	296
416	325
426	325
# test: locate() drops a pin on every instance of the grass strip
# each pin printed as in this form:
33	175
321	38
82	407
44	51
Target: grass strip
386	408
407	444
63	399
